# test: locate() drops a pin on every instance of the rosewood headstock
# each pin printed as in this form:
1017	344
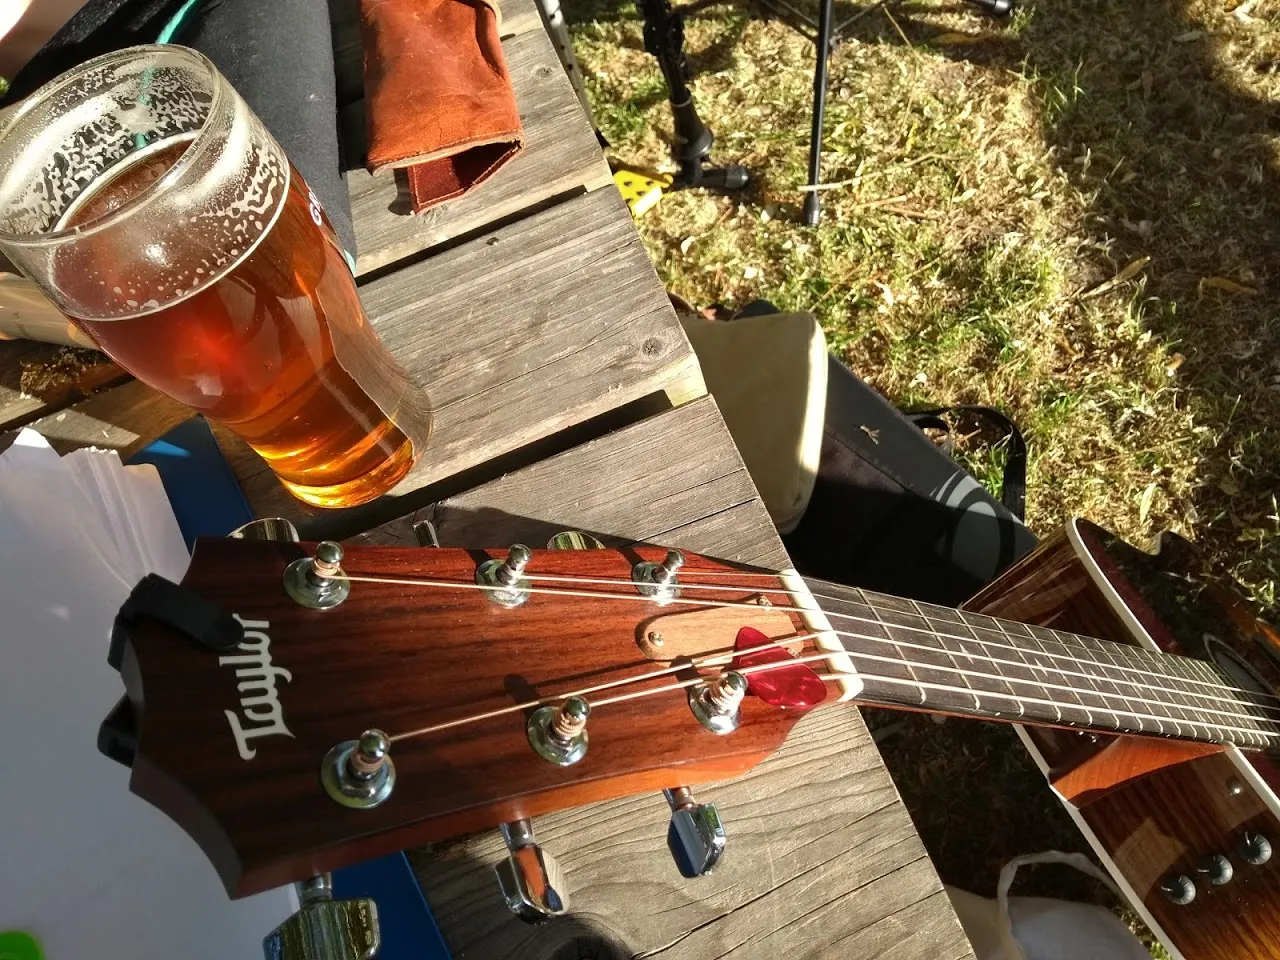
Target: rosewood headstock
232	744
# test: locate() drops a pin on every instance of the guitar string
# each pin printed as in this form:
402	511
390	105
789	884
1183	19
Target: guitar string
1260	735
713	659
668	688
826	655
933	633
1252	695
716	659
596	594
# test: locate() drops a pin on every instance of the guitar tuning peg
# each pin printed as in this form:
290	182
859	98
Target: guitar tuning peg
360	773
505	579
530	879
318	581
324	928
659	581
559	734
574	540
717	702
695	836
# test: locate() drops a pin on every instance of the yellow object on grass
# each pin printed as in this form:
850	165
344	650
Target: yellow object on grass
642	191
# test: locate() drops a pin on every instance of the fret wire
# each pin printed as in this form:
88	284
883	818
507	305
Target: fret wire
1140	660
885	627
1137	659
1057	686
1110	655
1033	667
1144	662
949	653
1261	738
975	638
1141	687
1187	705
1195	713
1071	641
1090	659
1199	708
1171	667
1039	632
1094	652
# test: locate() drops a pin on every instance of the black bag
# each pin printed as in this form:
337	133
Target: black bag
892	512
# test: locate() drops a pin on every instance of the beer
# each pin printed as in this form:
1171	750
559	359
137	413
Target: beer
204	266
255	349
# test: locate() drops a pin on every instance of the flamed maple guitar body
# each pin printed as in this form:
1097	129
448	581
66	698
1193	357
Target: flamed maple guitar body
1151	807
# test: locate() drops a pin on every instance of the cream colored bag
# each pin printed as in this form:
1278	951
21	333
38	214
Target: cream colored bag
768	375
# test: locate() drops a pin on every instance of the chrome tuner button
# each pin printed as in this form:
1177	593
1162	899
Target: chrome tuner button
1215	868
1253	848
318	581
658	581
1178	888
559	734
424	531
531	881
695	835
324	928
717	702
268	528
574	540
360	773
505	578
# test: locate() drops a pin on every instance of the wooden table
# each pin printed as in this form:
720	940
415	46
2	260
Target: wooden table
567	397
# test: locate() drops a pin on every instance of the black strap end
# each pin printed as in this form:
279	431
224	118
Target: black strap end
178	607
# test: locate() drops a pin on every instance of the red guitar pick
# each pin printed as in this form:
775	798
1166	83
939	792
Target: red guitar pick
790	686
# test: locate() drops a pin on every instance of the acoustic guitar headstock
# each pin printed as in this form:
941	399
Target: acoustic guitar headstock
368	700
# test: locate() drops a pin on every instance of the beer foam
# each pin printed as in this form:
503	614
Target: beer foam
167	239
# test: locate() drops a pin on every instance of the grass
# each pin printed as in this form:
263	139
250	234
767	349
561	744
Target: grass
1071	215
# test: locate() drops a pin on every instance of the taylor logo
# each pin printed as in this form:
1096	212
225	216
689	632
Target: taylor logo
260	712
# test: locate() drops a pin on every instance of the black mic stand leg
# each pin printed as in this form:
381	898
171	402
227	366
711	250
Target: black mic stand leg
664	39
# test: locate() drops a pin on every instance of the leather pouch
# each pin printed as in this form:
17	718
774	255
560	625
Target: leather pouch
438	95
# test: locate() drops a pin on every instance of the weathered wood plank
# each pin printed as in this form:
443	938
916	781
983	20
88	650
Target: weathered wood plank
823	860
124	419
520	334
561	154
518	16
516	335
626	488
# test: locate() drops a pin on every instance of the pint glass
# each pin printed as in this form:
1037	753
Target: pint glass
150	204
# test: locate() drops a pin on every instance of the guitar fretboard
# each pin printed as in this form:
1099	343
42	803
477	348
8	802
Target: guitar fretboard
936	658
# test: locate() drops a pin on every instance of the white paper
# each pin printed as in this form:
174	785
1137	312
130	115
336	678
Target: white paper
86	867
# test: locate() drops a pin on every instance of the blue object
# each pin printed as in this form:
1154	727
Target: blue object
201	487
208	503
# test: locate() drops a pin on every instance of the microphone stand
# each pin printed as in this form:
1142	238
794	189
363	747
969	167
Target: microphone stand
664	39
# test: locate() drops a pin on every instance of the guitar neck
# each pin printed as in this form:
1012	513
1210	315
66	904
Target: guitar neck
942	660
